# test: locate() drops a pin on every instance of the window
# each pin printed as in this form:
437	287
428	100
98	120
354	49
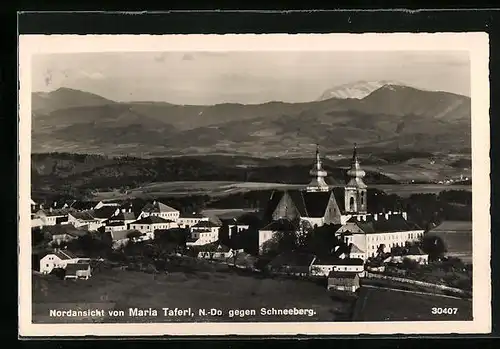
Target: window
351	203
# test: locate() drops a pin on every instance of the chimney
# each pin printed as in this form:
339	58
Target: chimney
50	209
123	210
130	209
387	216
375	216
55	203
405	215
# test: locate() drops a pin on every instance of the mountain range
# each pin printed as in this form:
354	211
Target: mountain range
378	116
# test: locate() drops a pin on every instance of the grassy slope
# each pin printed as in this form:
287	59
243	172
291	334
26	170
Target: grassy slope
201	289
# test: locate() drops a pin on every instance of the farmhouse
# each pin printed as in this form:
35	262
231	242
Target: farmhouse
323	266
343	281
84	218
52	216
414	253
204	232
78	271
57	259
150	223
62	233
161	210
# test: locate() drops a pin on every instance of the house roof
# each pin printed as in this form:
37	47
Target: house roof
87	215
158	207
308	204
72	268
114	223
280	225
342	278
355	249
104	212
65	254
152	220
453	226
205	224
332	260
394	223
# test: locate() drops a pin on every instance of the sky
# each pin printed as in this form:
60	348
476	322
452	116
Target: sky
206	78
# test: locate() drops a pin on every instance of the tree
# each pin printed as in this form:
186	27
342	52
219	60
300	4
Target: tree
36	236
434	246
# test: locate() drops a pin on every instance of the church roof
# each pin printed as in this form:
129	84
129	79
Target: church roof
308	204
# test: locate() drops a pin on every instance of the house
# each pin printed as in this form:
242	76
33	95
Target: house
51	216
150	223
206	226
78	271
120	220
292	263
85	218
120	238
161	210
267	233
323	266
343	281
57	259
187	220
201	237
58	234
414	253
380	232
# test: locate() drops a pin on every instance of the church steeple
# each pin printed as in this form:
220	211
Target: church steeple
318	173
355	189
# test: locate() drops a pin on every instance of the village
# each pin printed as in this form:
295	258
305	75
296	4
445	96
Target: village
315	233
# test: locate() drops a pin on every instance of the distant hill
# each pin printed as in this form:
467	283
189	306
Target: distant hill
391	117
64	98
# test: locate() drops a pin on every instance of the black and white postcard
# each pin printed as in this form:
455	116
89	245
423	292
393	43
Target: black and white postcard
254	184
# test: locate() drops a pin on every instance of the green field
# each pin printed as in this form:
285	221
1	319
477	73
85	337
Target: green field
222	289
378	304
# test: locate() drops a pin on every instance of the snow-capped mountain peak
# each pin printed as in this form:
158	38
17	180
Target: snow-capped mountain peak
356	90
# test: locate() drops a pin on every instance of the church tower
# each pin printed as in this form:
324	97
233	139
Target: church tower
355	190
318	173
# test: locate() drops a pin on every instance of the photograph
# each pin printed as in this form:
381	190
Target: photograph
254	184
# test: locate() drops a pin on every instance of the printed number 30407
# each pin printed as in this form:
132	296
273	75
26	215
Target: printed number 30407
444	311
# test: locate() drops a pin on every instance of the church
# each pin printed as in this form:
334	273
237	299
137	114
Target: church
343	207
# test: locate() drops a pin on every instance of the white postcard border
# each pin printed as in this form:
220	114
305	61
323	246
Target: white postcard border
475	43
